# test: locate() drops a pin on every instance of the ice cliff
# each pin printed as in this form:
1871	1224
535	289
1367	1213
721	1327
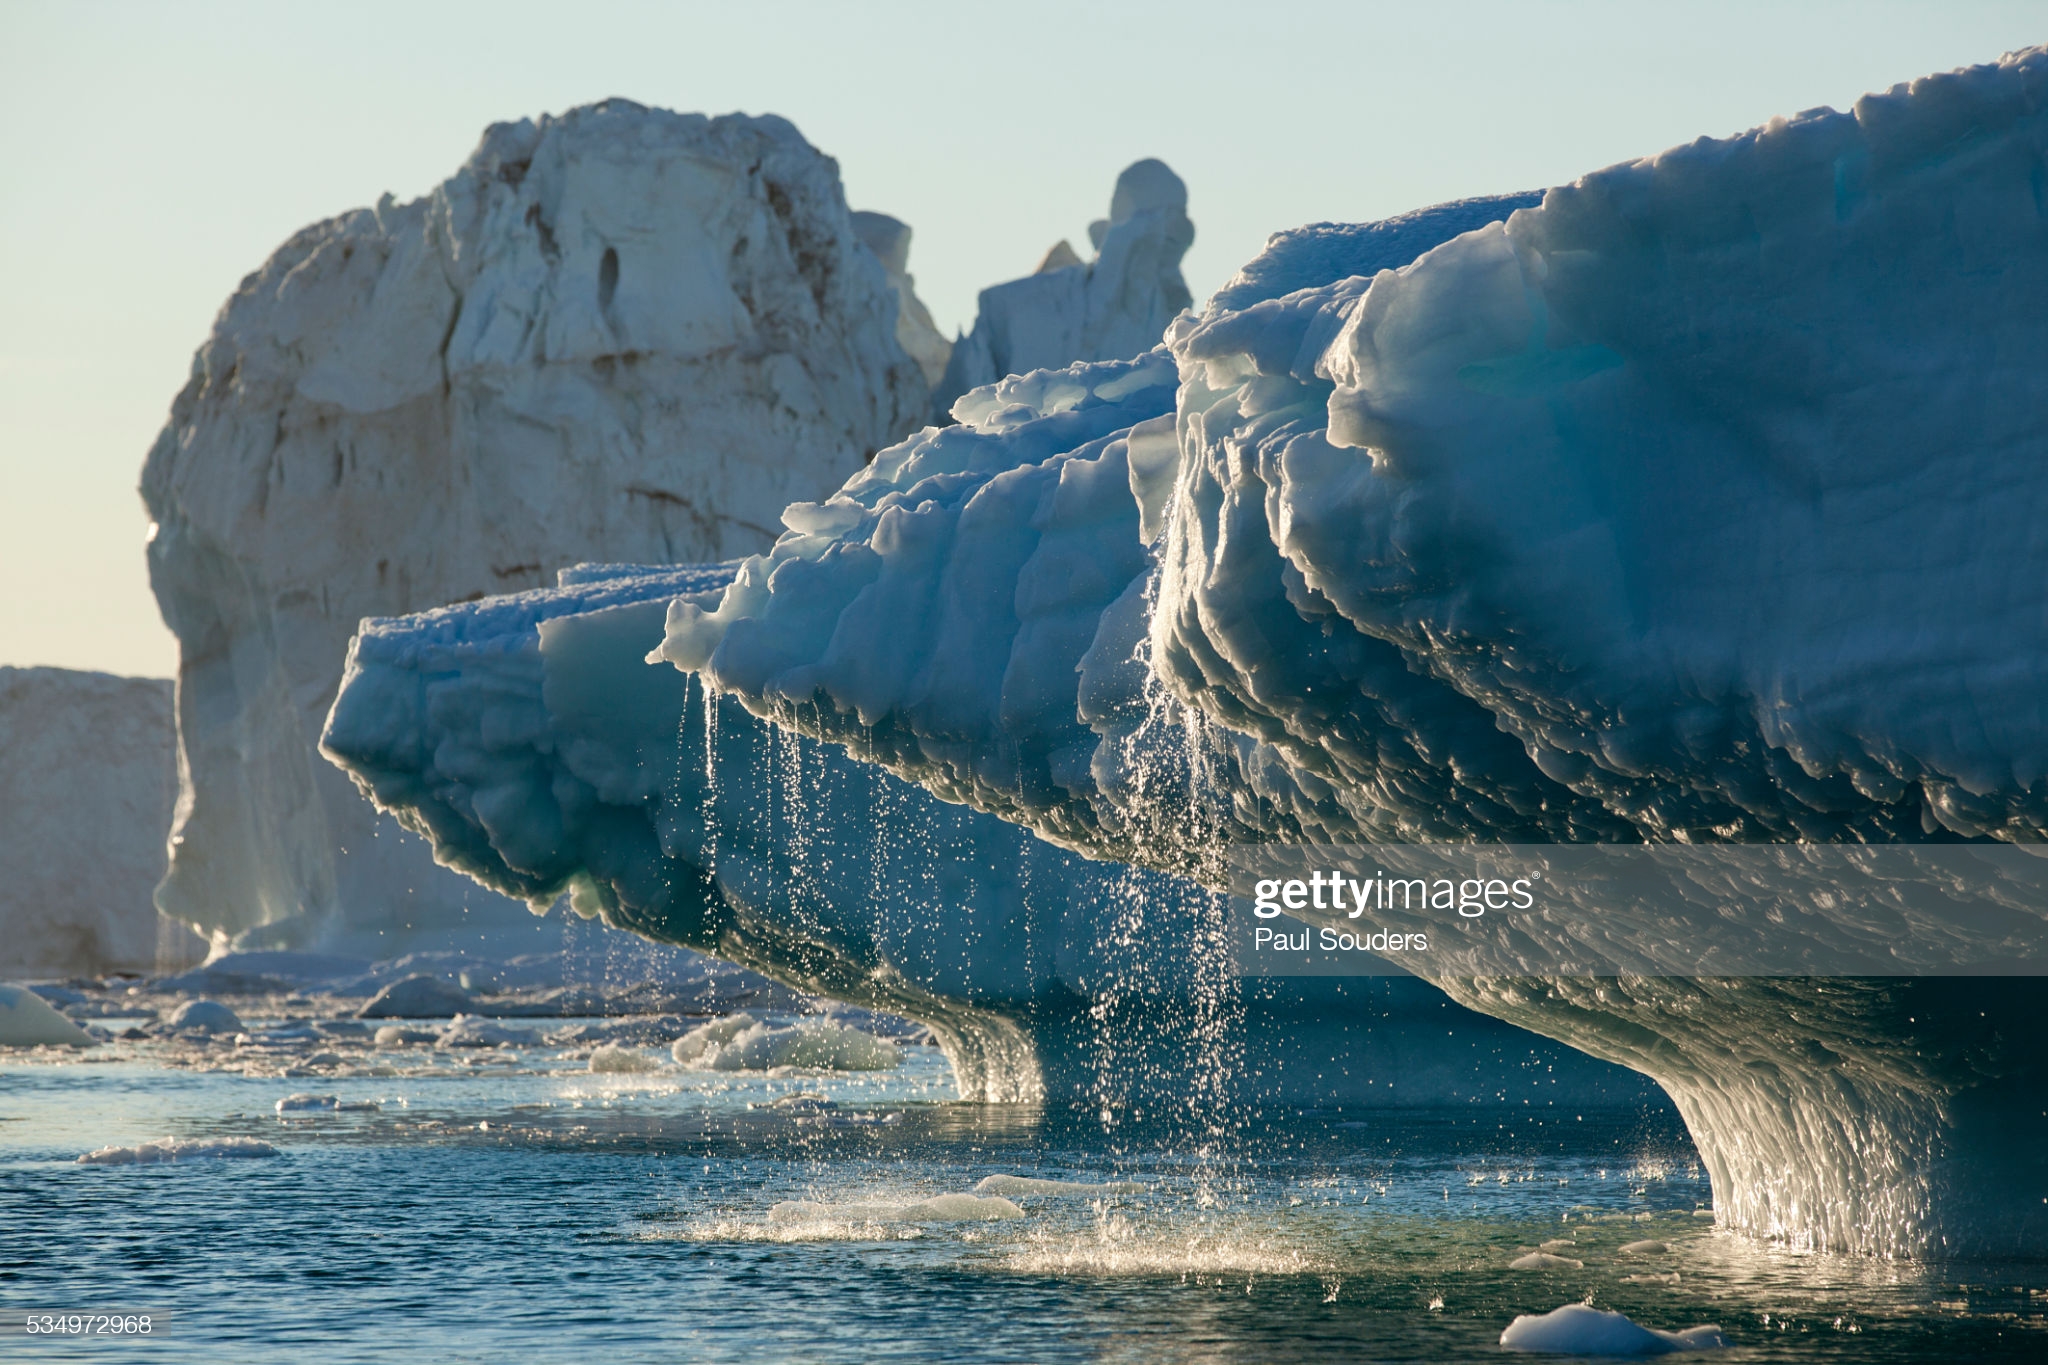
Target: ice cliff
1697	502
1108	308
920	338
87	779
622	334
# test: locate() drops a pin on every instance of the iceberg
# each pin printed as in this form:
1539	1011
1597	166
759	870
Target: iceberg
529	740
87	778
619	333
1106	308
1693	504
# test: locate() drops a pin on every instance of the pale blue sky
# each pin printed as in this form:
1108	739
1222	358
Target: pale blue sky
155	153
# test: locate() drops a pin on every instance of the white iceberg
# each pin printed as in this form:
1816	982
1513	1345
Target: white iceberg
619	333
1112	306
690	821
1693	504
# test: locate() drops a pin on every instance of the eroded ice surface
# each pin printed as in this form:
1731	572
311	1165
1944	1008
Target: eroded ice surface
1696	503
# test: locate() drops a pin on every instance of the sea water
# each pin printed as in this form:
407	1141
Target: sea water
507	1202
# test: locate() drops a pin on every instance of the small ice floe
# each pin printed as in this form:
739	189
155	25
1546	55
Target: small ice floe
1579	1329
417	997
469	1030
740	1042
28	1020
946	1208
1559	1245
176	1149
621	1060
1652	1277
1544	1260
1024	1184
1647	1247
204	1016
399	1035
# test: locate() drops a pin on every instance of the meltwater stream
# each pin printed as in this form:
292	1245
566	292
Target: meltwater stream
430	1203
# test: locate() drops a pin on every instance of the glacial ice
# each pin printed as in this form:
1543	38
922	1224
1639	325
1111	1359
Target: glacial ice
740	1042
1693	504
87	780
618	333
1579	1329
28	1020
177	1149
528	739
1107	308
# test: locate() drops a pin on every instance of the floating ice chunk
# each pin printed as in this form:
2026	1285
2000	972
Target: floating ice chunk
1559	1245
740	1042
1543	1260
945	1208
467	1030
1647	1247
176	1149
205	1016
417	997
1024	1184
1579	1330
397	1035
26	1019
612	1058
